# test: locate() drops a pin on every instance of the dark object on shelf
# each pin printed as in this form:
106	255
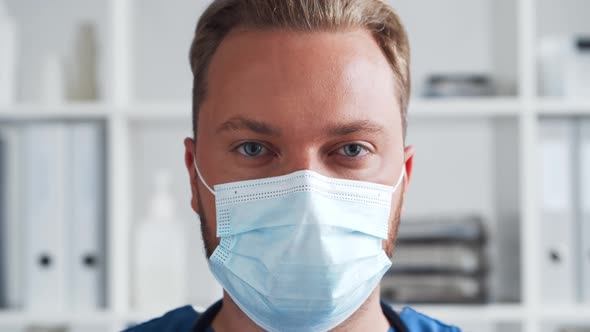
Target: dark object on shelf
438	260
440	271
432	289
575	329
441	230
446	259
583	44
459	85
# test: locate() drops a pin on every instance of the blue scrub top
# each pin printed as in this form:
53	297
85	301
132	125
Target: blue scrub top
184	319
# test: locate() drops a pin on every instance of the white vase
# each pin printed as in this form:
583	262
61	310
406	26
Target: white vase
84	64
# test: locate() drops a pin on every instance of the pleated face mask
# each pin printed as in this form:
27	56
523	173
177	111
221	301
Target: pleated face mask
301	252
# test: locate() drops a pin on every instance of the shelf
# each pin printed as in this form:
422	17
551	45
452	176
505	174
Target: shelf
421	108
503	312
19	318
578	313
11	317
68	111
448	313
71	111
561	107
464	107
467	312
142	316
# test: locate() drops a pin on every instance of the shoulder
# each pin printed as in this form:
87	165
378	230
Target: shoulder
416	321
177	320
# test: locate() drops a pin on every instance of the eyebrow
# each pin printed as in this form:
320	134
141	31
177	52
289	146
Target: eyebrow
243	123
344	129
260	127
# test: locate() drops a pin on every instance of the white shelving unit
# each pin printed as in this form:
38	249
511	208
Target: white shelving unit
125	106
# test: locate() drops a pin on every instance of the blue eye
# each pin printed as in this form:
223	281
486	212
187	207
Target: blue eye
353	150
251	149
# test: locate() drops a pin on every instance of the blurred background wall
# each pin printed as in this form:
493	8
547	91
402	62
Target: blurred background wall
97	218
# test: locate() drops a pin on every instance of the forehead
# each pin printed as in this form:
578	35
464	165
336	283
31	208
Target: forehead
305	76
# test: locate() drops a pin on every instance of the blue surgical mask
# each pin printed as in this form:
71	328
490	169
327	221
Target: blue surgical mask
301	252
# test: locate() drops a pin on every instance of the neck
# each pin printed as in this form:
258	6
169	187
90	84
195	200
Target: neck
232	318
369	317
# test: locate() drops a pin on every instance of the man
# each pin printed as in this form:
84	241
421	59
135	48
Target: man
298	167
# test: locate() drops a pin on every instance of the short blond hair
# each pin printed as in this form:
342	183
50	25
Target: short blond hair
301	15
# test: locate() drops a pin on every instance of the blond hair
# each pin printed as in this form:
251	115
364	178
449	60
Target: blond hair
301	15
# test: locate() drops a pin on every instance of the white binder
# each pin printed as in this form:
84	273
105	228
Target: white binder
584	181
11	246
86	260
558	264
45	197
3	222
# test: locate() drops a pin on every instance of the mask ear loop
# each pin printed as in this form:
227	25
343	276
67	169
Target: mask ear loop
402	176
201	177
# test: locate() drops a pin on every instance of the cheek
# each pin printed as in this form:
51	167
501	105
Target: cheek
396	208
394	221
390	164
208	207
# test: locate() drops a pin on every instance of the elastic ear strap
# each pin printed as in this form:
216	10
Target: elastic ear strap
201	177
402	176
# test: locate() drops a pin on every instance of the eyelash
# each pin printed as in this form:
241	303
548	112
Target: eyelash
360	156
243	144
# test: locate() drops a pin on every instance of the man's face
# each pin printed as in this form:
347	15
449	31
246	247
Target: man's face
280	101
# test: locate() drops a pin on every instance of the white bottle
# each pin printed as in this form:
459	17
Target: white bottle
52	89
7	57
160	276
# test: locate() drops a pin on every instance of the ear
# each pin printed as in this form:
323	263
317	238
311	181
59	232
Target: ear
189	161
409	163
